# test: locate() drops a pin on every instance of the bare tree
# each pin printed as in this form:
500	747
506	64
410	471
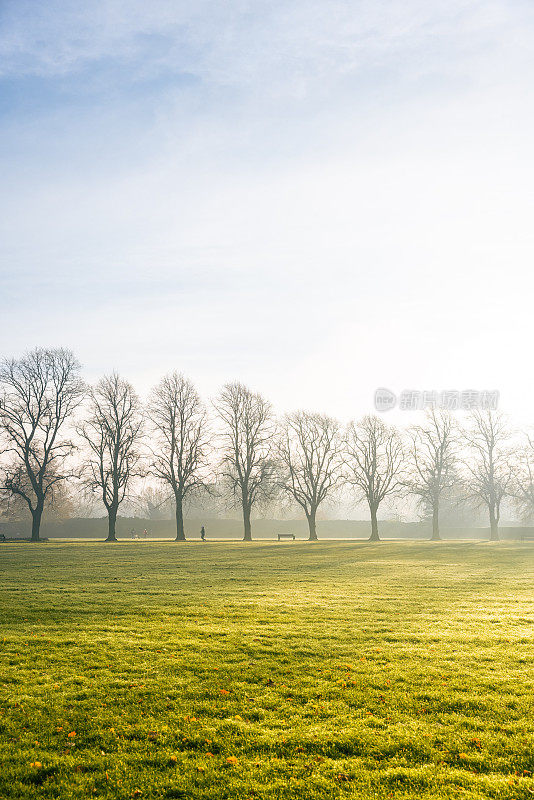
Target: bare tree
373	458
153	502
112	432
247	463
39	393
179	422
309	450
522	484
432	472
488	472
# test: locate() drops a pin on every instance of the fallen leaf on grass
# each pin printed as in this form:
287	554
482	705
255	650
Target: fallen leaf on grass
231	760
36	764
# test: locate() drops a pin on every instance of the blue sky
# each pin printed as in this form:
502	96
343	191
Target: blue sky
315	197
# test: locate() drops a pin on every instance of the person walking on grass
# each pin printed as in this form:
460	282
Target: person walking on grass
203	533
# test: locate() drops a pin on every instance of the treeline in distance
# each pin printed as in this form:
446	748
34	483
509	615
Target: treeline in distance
55	429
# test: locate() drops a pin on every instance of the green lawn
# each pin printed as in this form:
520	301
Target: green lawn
292	670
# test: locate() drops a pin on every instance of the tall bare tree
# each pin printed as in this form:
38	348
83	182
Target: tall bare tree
247	435
488	471
373	459
522	484
433	468
112	433
39	393
179	422
309	451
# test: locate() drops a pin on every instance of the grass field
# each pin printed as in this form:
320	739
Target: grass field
293	670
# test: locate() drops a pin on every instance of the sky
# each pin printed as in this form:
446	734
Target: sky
316	198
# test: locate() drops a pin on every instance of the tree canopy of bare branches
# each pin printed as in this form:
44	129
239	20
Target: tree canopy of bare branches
247	464
112	432
59	503
39	392
152	502
433	456
179	457
309	450
522	484
373	459
488	471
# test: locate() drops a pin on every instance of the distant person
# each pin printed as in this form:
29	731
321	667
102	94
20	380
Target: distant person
145	533
203	534
133	533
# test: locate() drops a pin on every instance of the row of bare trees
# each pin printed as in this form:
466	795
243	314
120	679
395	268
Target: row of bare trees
54	428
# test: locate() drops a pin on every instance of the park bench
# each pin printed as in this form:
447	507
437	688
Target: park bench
286	536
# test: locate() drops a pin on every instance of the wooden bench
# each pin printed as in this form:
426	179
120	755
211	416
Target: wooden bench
286	536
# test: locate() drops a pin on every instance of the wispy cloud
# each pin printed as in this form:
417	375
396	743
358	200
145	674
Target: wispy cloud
243	43
238	186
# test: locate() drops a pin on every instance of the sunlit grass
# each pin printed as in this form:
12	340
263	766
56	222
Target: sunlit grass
162	670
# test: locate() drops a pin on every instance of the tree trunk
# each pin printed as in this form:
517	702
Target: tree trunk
435	525
247	537
112	521
311	525
180	535
37	513
494	525
374	537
